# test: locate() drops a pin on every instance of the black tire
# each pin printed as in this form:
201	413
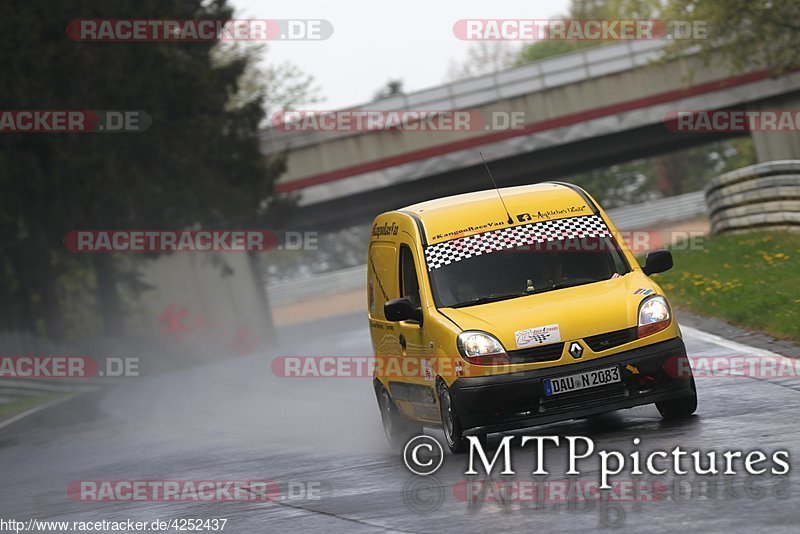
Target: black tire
451	426
398	430
679	408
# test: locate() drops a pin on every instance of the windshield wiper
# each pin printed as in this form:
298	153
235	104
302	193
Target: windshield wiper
487	299
562	285
572	283
494	298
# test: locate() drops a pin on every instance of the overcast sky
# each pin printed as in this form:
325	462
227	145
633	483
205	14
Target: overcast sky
375	41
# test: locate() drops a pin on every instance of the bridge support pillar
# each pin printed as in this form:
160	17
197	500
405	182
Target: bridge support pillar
771	146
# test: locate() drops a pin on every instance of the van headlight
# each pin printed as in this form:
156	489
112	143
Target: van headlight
654	315
481	348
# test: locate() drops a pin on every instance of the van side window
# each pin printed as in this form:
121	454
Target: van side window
382	279
409	284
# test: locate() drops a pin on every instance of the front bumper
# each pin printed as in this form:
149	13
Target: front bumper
517	400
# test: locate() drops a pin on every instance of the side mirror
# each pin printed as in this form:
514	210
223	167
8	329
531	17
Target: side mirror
657	261
402	309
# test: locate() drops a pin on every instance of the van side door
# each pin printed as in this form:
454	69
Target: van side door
415	390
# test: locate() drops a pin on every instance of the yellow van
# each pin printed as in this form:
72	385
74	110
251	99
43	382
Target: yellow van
510	308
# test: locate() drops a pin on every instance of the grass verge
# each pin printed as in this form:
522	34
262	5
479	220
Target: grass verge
751	280
21	404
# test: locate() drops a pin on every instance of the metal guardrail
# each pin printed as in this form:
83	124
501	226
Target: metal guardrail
14	389
677	208
761	196
471	93
329	283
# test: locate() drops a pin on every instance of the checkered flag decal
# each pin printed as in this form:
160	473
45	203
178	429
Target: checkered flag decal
540	338
461	248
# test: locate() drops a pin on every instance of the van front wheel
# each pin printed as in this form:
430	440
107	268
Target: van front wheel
679	408
451	426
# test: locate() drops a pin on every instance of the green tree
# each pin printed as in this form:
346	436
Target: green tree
279	86
743	33
590	10
545	49
673	173
621	9
484	57
198	164
391	88
665	175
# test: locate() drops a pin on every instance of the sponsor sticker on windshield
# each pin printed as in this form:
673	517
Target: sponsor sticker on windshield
538	335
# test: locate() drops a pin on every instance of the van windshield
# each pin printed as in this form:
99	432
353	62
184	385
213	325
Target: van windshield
482	277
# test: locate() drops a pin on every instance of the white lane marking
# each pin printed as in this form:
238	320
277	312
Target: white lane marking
773	368
32	411
728	344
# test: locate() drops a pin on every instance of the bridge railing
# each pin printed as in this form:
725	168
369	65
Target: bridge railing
471	93
643	215
761	196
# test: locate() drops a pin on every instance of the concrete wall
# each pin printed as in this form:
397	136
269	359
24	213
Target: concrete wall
209	303
781	145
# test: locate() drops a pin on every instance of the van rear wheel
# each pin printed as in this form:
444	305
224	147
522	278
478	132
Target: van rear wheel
398	430
451	426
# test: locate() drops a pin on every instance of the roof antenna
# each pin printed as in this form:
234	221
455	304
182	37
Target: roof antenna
510	220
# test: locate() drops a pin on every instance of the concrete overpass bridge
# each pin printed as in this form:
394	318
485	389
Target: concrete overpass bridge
584	110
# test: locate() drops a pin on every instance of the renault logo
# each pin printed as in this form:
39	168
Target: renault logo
575	349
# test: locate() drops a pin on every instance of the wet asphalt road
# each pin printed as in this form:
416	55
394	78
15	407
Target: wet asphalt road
234	420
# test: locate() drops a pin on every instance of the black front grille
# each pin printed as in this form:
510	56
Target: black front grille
609	340
584	398
543	353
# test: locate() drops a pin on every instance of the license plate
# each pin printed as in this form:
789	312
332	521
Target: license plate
585	380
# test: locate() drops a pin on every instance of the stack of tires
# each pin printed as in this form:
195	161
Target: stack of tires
765	196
